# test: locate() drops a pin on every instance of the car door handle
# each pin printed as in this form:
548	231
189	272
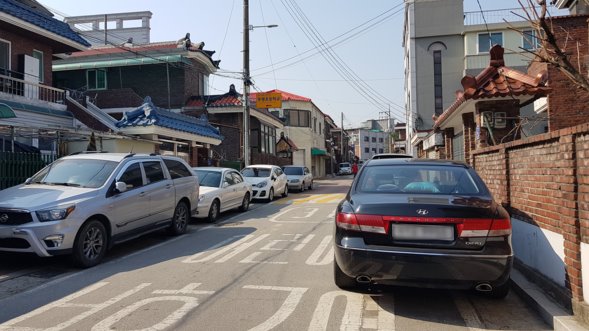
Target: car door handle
142	194
168	186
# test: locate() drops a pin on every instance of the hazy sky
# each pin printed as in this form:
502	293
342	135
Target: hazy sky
364	37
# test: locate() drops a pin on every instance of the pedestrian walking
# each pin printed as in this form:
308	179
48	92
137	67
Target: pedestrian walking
355	168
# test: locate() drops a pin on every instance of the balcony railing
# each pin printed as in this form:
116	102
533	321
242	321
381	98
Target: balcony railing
494	16
31	90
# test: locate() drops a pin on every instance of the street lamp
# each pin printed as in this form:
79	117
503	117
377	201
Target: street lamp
247	79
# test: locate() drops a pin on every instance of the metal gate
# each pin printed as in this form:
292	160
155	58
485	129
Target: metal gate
458	147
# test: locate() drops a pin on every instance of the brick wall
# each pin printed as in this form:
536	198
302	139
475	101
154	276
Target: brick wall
21	44
542	180
567	105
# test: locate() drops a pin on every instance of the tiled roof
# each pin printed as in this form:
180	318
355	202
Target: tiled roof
229	99
155	49
285	96
46	22
148	114
495	81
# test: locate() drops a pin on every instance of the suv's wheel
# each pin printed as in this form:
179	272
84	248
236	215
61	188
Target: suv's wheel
303	187
245	203
342	280
90	244
271	194
311	185
213	211
285	192
180	219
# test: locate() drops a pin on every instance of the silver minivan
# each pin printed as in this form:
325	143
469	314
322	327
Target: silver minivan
83	204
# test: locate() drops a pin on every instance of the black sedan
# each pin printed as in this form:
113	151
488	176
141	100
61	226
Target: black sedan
424	223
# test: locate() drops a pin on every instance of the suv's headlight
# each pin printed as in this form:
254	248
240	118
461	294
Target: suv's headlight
262	184
56	214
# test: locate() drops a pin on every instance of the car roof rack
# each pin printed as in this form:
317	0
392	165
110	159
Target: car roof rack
87	152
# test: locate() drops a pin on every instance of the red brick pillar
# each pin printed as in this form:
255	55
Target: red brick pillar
449	148
469	136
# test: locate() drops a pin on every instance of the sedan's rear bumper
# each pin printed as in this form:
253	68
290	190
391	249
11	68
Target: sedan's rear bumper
422	268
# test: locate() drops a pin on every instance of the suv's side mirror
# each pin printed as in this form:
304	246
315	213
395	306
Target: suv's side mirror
225	184
273	177
28	181
121	187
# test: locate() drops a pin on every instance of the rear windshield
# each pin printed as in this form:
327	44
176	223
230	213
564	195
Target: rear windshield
418	179
344	165
293	170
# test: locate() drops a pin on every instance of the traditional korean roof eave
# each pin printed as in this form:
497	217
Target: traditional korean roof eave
495	82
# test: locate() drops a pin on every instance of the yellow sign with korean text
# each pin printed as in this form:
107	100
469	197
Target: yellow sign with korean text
269	100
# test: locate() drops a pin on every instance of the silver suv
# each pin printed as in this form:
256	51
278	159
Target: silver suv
83	204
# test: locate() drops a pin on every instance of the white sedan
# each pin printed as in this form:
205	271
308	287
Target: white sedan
267	181
221	189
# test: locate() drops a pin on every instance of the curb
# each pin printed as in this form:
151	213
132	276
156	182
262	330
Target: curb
558	318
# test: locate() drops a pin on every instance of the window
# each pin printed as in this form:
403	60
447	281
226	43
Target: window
380	150
366	139
380	140
4	57
132	176
529	40
366	150
228	179
301	118
438	101
153	171
486	41
236	177
39	55
319	127
374	150
267	139
373	139
96	79
177	169
315	124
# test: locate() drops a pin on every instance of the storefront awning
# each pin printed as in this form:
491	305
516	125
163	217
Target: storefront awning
6	111
318	152
121	62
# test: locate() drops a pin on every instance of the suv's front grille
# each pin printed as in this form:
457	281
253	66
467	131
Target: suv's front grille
14	217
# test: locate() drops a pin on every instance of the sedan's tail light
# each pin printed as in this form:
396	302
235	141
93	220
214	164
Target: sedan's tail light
347	219
485	228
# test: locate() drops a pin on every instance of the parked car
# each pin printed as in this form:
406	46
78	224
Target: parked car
267	181
83	204
299	177
426	223
345	168
221	189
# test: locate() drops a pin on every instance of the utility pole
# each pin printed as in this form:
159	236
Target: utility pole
246	83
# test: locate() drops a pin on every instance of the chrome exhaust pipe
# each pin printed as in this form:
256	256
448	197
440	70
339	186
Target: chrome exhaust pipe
363	279
484	287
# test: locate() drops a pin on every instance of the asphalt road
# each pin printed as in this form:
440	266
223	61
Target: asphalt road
268	268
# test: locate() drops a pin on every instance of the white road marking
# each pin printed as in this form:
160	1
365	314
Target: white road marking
311	212
469	314
287	308
332	214
236	248
319	251
386	317
352	319
65	303
269	247
252	256
173	318
304	243
188	289
276	218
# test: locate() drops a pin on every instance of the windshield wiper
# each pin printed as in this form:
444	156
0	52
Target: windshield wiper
61	184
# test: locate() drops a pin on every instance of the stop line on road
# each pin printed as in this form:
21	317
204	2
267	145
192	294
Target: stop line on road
322	253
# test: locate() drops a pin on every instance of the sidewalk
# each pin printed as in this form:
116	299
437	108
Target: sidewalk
552	314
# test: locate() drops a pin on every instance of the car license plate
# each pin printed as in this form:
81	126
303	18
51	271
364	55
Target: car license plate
422	232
